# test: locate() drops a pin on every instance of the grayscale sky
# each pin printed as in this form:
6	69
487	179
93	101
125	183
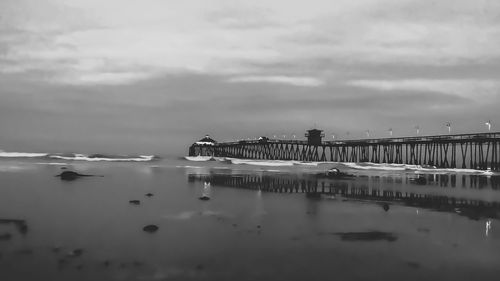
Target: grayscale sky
153	76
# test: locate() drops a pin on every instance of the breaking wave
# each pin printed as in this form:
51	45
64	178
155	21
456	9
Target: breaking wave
99	157
253	162
274	163
80	157
368	166
415	168
4	154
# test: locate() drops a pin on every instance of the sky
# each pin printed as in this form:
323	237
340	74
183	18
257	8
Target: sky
154	76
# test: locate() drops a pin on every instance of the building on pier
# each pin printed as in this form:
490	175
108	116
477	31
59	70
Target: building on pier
203	147
314	136
207	140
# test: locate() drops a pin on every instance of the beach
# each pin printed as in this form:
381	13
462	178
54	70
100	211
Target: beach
262	222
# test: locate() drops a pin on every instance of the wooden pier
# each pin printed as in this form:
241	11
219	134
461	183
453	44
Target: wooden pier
467	151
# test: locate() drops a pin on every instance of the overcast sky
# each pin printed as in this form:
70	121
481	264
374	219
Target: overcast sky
153	76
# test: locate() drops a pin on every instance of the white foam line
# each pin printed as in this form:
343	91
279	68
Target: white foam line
52	163
81	157
21	154
198	158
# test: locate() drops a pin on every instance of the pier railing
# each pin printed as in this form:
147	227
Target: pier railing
471	151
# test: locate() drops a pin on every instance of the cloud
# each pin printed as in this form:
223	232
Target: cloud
104	78
242	17
296	81
92	41
474	89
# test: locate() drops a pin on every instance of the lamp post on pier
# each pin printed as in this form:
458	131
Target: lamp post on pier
488	124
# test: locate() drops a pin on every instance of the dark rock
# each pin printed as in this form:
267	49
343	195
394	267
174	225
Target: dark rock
71	176
385	206
150	228
199	267
106	263
5	236
204	198
135	202
79	267
149	194
258	226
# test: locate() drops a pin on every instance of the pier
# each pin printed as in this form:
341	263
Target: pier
466	151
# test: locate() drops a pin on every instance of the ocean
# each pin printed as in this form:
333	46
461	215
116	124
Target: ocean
264	220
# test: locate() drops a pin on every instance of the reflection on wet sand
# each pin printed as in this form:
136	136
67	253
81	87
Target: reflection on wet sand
376	189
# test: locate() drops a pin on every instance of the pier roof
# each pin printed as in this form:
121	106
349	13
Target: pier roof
207	140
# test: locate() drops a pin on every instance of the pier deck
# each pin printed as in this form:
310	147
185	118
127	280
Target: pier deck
467	151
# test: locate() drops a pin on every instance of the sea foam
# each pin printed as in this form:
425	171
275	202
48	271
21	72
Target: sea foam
83	157
79	157
347	165
21	154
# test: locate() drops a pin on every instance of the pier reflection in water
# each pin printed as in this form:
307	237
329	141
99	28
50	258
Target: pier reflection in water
473	196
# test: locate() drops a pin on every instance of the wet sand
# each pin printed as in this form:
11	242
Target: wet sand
91	228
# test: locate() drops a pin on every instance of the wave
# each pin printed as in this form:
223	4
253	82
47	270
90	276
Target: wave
415	168
306	163
347	165
199	158
80	157
99	157
274	163
21	154
205	158
375	166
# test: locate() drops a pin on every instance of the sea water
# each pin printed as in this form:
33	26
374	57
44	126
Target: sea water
265	220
